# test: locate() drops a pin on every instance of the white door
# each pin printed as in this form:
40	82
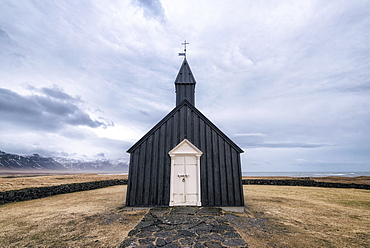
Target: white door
185	175
185	181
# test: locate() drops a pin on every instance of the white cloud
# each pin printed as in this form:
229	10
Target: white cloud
278	77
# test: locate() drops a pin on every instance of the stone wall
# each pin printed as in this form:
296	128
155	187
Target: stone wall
304	182
40	192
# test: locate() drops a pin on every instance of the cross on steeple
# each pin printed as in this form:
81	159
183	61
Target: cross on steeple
184	44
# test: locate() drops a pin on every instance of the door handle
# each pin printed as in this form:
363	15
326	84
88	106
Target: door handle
183	175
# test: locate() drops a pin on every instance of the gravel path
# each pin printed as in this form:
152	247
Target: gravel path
184	227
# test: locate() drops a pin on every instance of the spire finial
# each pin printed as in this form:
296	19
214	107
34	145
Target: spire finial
184	44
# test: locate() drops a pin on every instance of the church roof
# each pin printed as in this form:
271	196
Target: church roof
185	76
195	111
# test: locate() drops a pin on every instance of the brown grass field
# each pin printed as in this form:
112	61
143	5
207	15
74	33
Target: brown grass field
19	181
276	216
83	219
10	180
290	216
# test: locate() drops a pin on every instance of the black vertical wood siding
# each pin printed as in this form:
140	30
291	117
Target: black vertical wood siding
150	164
185	91
185	84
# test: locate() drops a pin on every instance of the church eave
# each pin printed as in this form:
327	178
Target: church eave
185	83
170	114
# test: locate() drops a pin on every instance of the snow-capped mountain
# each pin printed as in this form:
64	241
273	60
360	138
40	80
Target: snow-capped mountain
35	161
17	162
100	164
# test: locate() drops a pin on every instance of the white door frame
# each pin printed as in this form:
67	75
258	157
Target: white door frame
185	148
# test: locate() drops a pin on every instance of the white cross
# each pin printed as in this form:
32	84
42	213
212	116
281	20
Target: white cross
184	44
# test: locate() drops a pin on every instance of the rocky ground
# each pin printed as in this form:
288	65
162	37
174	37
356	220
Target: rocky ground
184	227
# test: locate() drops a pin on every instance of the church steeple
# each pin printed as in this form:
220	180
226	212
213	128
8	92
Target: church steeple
185	84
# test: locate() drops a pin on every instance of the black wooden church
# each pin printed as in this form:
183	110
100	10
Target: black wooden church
185	160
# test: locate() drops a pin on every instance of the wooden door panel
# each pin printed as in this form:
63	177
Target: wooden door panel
185	181
179	188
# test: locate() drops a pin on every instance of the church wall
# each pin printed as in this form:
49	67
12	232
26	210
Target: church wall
150	164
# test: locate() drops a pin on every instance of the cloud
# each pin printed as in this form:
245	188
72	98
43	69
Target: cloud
302	161
253	141
51	111
250	135
261	140
57	93
59	144
285	145
152	8
11	55
284	79
101	155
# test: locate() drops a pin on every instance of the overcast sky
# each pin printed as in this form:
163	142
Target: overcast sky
288	81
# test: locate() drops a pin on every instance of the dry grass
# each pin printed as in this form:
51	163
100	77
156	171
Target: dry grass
332	179
83	219
290	216
20	181
279	216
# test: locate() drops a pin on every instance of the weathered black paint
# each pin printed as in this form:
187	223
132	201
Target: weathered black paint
185	84
150	164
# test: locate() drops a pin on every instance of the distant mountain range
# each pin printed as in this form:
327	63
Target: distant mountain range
36	162
93	164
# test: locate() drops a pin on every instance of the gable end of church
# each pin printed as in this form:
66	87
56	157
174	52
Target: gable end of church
154	174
